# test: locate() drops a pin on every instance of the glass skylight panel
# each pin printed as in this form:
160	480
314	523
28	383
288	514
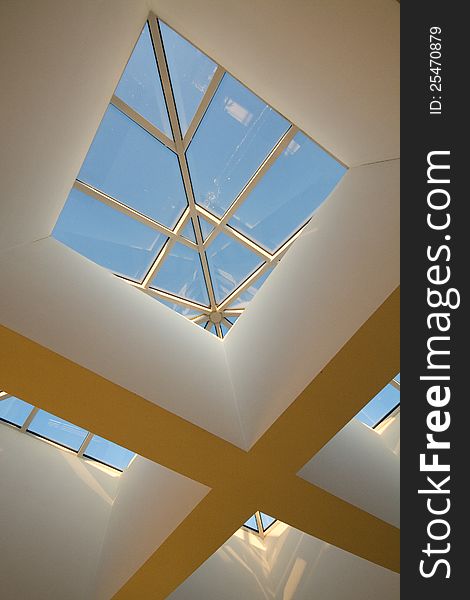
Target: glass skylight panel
108	453
107	236
247	296
232	319
179	308
181	274
288	194
266	521
188	232
139	179
57	430
130	165
237	133
14	411
230	264
191	72
397	378
252	523
206	228
384	402
140	86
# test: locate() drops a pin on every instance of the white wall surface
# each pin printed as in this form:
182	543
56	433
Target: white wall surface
151	502
343	266
73	530
73	306
288	565
362	466
332	66
54	509
58	81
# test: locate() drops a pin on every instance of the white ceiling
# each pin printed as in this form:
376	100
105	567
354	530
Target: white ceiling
330	66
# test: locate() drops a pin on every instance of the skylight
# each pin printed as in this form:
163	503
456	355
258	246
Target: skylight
384	403
193	188
259	523
42	424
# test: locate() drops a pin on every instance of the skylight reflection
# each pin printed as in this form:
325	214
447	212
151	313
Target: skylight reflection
237	133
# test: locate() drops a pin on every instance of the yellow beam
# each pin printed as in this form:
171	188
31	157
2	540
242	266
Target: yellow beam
354	376
64	388
204	530
241	481
325	516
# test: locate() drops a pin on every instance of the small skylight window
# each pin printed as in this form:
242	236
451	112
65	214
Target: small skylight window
51	428
193	188
385	402
14	411
57	430
108	453
260	523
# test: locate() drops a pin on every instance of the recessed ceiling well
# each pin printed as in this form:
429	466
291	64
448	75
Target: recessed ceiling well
193	188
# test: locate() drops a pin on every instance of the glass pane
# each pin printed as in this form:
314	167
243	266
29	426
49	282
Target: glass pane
266	521
230	264
397	377
14	410
181	274
140	86
203	324
206	228
129	164
107	236
237	133
191	72
245	297
232	319
182	310
252	523
379	406
225	329
188	231
57	430
109	453
286	197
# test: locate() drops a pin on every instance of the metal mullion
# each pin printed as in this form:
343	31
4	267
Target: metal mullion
200	318
143	122
173	115
174	299
166	295
395	384
227	323
240	237
85	444
4	395
113	203
165	250
233	312
260	523
202	212
245	285
203	106
29	418
218	330
281	145
285	247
